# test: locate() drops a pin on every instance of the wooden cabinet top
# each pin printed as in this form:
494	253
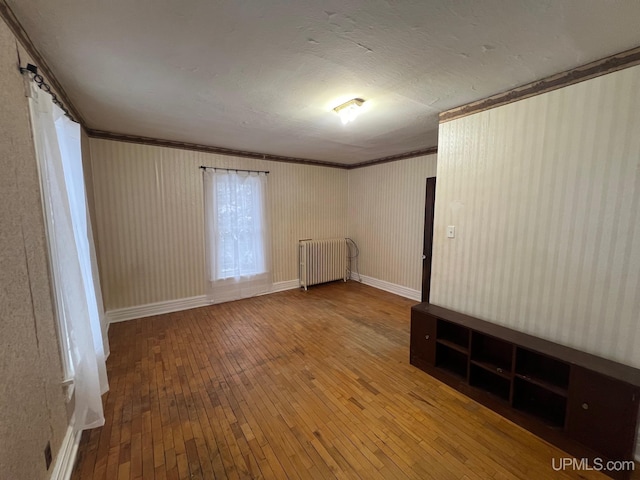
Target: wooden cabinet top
597	364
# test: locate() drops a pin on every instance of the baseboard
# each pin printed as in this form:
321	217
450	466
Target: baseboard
389	287
287	285
159	308
66	458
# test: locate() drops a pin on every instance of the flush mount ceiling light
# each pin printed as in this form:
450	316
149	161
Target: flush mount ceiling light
348	111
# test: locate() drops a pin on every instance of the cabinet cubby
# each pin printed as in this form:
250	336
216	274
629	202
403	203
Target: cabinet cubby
452	360
492	354
541	370
452	335
490	382
540	402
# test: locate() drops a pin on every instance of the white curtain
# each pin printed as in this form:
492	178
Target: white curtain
78	299
237	234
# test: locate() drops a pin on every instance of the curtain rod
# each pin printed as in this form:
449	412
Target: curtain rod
39	79
266	172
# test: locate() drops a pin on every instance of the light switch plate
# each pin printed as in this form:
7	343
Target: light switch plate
451	231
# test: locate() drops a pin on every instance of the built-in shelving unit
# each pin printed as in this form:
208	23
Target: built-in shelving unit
584	404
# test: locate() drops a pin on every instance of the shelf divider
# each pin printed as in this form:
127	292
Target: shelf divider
453	346
493	368
543	384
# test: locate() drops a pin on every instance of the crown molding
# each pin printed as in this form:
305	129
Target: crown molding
43	67
155	142
613	63
395	158
121	137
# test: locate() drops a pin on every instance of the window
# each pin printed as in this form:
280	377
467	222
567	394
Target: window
237	234
240	245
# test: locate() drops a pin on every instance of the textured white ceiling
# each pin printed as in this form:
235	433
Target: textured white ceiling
263	75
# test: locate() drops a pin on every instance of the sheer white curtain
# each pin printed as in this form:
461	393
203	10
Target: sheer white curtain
237	234
77	290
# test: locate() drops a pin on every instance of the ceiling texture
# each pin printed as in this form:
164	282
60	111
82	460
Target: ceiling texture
264	75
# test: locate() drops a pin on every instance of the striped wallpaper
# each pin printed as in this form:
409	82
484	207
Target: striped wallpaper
545	197
149	217
386	219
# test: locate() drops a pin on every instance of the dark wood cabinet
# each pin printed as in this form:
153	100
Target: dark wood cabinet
586	405
600	413
423	335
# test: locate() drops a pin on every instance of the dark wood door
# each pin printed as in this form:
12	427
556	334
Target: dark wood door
423	338
429	207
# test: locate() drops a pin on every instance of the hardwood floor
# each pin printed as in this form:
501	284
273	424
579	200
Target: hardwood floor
296	384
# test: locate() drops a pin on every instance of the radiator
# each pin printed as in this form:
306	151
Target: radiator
322	261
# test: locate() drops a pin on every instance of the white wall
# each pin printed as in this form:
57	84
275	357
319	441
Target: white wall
545	197
150	220
386	220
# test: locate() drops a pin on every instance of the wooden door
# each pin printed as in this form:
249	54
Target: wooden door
422	347
429	207
602	413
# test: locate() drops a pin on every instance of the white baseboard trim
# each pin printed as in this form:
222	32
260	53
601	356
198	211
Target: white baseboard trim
286	285
66	458
159	308
389	287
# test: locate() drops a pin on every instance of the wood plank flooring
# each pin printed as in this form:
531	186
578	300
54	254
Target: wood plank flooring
300	385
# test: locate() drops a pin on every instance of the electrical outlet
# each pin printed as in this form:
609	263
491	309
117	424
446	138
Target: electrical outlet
47	455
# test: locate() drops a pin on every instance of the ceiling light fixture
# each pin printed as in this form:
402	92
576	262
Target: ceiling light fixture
348	111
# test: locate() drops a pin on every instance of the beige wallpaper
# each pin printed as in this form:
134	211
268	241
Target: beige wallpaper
545	197
149	217
386	219
32	404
